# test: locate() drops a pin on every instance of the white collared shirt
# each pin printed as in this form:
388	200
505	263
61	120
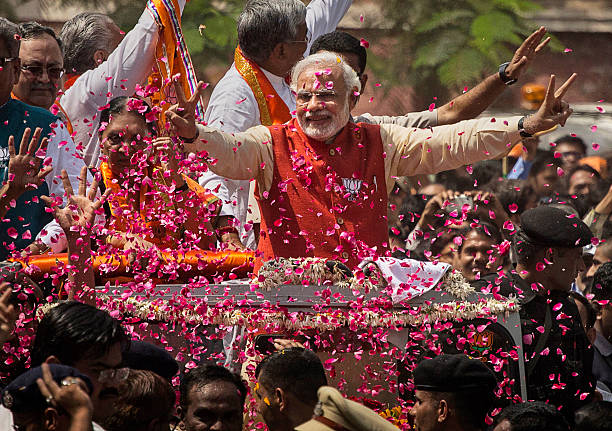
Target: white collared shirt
127	66
233	108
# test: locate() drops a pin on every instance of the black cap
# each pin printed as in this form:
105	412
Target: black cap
23	394
149	357
454	373
553	227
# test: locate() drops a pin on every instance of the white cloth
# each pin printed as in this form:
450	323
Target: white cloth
127	66
6	419
407	277
63	154
233	108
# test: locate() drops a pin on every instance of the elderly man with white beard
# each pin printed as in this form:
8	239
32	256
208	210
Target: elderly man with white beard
323	182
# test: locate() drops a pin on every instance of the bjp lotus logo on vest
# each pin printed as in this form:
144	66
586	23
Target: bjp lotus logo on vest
352	186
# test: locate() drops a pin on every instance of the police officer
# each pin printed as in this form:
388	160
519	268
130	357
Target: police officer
558	355
453	392
50	397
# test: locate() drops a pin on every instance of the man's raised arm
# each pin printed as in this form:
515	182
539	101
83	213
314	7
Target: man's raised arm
239	156
418	151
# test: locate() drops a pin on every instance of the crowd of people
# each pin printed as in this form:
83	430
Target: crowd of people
107	151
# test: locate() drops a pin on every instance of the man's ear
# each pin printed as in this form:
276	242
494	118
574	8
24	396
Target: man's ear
279	52
281	399
16	66
353	99
364	80
443	411
50	419
100	57
52	360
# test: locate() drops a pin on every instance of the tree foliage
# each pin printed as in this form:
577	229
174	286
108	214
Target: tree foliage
445	45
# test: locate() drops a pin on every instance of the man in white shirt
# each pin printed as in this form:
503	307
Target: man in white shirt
40	53
274	35
100	65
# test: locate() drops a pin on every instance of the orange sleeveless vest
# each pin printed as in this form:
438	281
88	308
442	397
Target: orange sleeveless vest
326	200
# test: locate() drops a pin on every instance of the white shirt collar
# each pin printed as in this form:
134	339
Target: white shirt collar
275	80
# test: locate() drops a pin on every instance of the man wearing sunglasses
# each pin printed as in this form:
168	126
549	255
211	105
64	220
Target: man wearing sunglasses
24	215
42	65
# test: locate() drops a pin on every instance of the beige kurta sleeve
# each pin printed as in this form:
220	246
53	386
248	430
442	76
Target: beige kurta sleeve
239	156
410	151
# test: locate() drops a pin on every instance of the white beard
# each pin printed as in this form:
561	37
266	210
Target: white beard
325	132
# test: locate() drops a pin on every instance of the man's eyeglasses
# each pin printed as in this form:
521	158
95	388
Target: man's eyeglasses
4	60
53	72
305	41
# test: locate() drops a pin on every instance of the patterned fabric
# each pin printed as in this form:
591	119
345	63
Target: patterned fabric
272	109
172	56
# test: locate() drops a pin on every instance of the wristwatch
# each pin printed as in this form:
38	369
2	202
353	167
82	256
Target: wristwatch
522	131
503	76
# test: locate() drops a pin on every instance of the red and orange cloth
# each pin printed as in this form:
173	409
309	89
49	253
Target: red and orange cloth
272	109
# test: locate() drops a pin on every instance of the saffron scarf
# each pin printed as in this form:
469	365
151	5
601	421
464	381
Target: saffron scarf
172	57
272	109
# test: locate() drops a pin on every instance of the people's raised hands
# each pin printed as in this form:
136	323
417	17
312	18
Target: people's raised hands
164	149
8	313
70	395
525	53
554	110
435	204
77	217
182	115
24	168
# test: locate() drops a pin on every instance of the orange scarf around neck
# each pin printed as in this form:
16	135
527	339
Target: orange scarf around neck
272	109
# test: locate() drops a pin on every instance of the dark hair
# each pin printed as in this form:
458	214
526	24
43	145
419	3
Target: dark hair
533	416
119	105
486	171
33	30
591	312
543	161
471	407
263	24
204	374
8	31
409	213
144	397
596	416
575	140
601	288
524	247
72	331
451	181
341	42
83	35
509	192
295	370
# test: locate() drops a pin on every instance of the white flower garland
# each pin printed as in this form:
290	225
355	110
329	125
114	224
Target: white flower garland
312	271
